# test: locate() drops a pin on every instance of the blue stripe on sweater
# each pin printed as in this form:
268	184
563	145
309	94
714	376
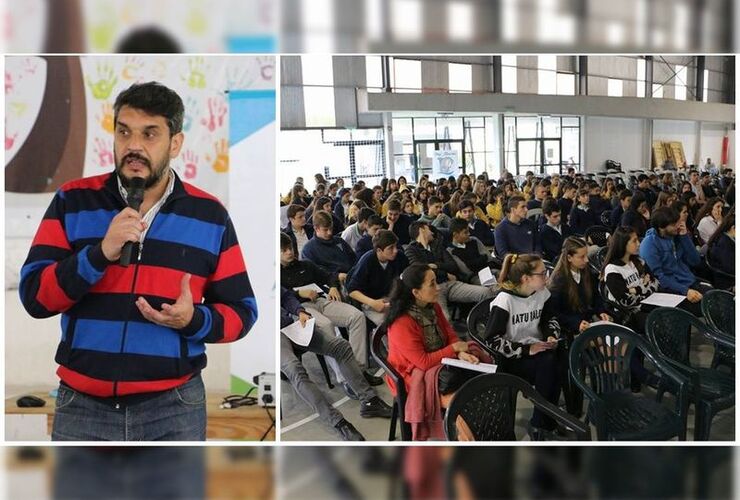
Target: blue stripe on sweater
141	338
85	269
187	231
88	223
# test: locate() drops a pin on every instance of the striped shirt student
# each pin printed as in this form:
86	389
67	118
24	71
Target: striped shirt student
134	334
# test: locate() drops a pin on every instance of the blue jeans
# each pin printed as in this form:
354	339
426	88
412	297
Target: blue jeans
178	414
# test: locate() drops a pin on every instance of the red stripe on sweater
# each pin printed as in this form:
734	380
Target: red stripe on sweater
51	233
230	263
104	388
198	193
50	294
95	183
232	323
151	280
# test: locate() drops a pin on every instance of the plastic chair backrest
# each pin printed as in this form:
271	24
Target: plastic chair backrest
669	330
718	308
599	235
477	319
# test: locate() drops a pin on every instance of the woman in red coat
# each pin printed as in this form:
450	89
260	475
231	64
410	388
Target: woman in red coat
419	336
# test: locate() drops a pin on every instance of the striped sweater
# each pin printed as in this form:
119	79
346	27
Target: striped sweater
108	348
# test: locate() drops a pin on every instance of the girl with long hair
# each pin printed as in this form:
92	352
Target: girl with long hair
463	183
523	331
721	250
708	219
637	216
495	205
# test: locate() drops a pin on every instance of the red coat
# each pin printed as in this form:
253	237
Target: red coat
406	346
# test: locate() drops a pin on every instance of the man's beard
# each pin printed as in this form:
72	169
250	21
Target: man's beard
155	175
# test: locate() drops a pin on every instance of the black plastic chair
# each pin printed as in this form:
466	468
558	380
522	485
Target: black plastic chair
488	402
669	329
718	309
380	353
606	218
597	260
602	353
621	314
720	279
598	235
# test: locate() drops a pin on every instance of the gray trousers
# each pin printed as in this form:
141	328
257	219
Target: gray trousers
329	313
457	291
327	345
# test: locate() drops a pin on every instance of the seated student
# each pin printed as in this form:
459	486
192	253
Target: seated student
553	232
419	336
354	232
365	244
709	218
643	186
669	252
625	198
596	202
721	250
516	233
341	208
582	216
426	249
477	227
479	212
328	309
338	349
435	216
495	206
297	229
409	209
540	193
637	215
329	252
324	203
566	201
468	249
369	282
523	330
397	222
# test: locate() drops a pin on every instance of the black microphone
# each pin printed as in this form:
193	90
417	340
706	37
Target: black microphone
134	199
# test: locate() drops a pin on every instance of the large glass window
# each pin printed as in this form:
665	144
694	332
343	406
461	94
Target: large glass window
374	73
614	87
547	83
542	144
460	78
508	75
640	77
681	77
406	75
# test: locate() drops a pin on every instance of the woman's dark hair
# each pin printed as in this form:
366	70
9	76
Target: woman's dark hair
638	198
154	99
706	210
492	194
663	217
443	192
295	198
617	248
727	222
562	273
365	195
401	297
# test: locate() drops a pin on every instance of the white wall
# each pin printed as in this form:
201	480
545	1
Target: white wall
619	139
685	132
711	143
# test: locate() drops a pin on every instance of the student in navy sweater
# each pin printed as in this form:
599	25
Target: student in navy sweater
566	200
134	334
374	224
721	250
397	222
516	233
625	198
637	216
581	215
327	251
477	227
553	232
540	192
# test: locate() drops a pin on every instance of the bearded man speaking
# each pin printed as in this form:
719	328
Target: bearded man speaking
133	336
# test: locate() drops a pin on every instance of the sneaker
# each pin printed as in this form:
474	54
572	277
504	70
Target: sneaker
375	407
348	432
349	392
372	379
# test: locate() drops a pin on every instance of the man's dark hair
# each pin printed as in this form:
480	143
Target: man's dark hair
433	200
624	194
383	239
415	227
294	210
374	220
550	205
285	241
322	219
458	225
394	205
513	202
663	217
641	178
148	40
365	214
466	204
154	99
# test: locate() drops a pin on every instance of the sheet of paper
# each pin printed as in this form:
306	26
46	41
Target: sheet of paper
480	367
486	277
298	333
664	299
312	286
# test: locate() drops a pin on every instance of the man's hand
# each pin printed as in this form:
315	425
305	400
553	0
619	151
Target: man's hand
303	316
308	294
390	223
342	277
334	294
379	305
126	226
693	296
177	315
681	227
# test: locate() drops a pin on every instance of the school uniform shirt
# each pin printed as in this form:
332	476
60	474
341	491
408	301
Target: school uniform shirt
568	317
516	322
581	218
352	235
722	253
620	278
552	238
566	205
706	228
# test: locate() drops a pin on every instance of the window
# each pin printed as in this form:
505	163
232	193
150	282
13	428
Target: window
546	75
657	91
681	76
542	144
460	78
406	75
374	73
566	84
706	85
317	70
640	77
319	106
508	74
614	87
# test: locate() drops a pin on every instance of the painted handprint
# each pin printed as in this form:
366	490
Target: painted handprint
131	68
195	22
8	82
240	77
30	66
103	150
103	87
267	68
216	113
190	159
197	78
10	140
221	163
191	106
105	118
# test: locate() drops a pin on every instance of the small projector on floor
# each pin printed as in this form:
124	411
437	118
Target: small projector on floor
265	383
